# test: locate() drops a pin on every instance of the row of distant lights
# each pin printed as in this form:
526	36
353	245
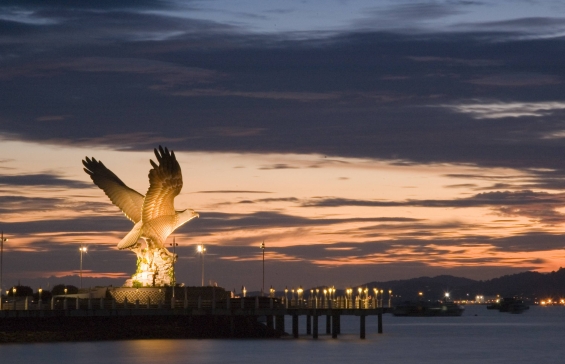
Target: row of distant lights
549	302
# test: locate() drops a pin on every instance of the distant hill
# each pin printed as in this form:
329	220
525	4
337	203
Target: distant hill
530	285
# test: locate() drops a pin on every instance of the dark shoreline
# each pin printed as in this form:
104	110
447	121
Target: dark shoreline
101	328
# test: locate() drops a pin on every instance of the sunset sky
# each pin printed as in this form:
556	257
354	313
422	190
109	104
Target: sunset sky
361	140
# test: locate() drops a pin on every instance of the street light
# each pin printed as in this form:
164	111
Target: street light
201	249
263	249
382	295
272	292
2	240
389	297
39	291
82	249
14	294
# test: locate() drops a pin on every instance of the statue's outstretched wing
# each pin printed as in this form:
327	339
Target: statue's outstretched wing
128	200
165	183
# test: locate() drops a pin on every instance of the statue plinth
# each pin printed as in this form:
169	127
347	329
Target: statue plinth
154	268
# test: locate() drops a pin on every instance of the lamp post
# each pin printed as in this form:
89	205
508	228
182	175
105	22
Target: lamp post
39	291
389	297
382	295
174	245
14	294
263	249
82	250
201	250
2	240
359	297
272	292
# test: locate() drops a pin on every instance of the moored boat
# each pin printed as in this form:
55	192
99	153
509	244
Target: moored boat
512	305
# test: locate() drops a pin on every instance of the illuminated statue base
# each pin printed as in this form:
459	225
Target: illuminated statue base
155	268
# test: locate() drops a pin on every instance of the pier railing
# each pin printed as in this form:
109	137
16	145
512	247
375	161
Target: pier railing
72	303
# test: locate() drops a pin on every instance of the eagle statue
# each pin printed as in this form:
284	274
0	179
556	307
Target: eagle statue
153	215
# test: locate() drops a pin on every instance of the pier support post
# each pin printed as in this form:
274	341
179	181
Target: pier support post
308	324
65	304
295	326
335	318
315	324
380	322
328	324
338	324
270	322
52	303
148	302
362	326
232	327
77	303
90	304
26	304
279	322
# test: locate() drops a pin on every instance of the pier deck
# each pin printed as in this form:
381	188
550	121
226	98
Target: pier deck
230	312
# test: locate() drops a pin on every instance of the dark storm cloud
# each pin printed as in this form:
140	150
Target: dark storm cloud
43	179
132	79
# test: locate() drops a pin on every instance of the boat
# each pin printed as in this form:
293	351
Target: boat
510	304
428	309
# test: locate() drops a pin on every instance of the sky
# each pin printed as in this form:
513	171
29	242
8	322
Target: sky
360	140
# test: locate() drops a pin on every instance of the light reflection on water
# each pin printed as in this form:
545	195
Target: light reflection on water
480	335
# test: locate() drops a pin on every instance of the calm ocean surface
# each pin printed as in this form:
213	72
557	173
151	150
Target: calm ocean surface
479	336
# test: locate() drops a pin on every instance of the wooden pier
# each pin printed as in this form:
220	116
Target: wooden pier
230	313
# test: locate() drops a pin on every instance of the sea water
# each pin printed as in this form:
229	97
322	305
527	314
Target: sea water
479	336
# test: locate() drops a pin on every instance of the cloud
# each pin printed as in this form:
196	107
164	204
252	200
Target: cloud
504	110
523	27
44	180
278	166
517	80
481	199
232	191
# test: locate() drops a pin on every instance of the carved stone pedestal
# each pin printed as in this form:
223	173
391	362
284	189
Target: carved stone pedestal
154	268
